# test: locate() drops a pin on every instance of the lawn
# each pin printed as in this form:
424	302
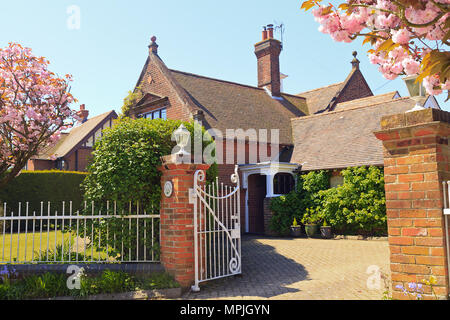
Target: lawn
26	247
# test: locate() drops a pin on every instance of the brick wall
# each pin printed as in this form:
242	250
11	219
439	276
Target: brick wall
155	82
84	155
35	165
357	88
268	214
416	159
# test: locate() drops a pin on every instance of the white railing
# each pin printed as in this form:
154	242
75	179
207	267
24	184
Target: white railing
91	234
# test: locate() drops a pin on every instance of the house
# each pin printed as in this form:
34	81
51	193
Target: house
73	151
329	127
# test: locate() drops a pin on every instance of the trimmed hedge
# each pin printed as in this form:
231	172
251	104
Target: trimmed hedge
47	186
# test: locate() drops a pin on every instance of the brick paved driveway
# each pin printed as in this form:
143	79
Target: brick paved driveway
301	269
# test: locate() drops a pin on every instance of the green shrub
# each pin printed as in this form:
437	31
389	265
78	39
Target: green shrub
356	207
35	187
61	255
50	285
125	162
293	205
125	169
285	209
359	205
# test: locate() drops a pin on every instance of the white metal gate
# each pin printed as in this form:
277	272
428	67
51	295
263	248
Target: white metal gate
217	229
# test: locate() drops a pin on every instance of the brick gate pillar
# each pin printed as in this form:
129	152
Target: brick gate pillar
177	220
416	162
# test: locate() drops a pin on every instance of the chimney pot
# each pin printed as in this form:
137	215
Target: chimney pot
270	31
83	113
264	34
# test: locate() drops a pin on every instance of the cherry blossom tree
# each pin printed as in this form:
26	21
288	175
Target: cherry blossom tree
408	37
34	108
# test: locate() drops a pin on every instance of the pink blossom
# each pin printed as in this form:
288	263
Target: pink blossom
432	85
411	66
381	20
35	104
401	36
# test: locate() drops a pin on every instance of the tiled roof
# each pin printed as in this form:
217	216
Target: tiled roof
318	99
70	140
343	138
228	105
386	97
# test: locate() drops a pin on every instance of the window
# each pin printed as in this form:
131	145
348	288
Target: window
98	135
336	181
61	164
156	114
90	142
283	183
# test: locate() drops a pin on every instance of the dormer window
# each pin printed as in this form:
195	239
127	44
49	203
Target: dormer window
156	114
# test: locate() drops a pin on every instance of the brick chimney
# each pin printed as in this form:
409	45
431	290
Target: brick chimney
268	54
83	113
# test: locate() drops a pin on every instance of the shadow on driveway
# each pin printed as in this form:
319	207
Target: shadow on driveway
265	274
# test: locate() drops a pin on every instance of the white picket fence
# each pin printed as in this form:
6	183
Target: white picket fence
91	234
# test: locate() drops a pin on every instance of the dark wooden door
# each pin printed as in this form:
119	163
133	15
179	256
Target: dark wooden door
256	195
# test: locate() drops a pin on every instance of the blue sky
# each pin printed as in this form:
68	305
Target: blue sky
212	38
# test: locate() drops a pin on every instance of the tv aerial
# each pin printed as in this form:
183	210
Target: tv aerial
280	28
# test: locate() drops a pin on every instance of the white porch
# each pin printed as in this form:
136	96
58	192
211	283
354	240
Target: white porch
270	170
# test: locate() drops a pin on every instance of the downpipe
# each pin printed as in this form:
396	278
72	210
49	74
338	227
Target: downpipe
448	251
446	212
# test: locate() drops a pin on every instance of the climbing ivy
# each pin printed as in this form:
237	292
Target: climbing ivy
130	100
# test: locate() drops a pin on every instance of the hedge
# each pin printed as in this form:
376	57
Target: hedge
47	186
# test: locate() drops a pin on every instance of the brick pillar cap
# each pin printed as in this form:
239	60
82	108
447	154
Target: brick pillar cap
170	162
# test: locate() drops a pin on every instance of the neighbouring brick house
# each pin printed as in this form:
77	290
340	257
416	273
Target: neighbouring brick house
73	151
326	128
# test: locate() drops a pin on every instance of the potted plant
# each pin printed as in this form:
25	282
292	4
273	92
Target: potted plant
296	229
310	220
325	230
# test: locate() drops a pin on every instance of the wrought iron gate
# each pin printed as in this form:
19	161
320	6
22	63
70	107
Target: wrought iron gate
217	229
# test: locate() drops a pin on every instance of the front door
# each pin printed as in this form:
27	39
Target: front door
256	195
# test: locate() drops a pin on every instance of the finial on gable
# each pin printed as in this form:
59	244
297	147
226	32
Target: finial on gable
355	61
153	46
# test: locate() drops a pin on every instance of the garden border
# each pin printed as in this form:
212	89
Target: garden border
172	293
94	268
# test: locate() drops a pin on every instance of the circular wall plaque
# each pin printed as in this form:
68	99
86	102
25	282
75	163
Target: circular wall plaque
168	188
